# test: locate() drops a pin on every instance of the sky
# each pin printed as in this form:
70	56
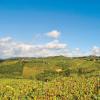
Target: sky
37	28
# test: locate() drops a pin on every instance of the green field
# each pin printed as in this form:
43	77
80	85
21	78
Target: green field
51	78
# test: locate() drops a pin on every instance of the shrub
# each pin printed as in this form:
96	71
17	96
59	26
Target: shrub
46	76
66	73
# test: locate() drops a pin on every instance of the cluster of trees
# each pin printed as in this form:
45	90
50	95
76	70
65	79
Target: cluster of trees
50	75
11	70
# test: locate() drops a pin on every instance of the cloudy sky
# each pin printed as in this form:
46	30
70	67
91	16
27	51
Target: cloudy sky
35	28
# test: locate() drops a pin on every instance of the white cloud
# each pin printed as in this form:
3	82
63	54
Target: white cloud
53	34
55	45
77	52
77	49
12	48
95	51
6	39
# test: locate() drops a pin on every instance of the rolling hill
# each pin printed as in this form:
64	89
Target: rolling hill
50	67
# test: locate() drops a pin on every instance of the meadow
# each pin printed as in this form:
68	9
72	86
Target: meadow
51	78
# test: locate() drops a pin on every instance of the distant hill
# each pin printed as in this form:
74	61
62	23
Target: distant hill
49	67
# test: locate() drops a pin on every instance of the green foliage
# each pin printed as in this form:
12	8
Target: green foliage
62	88
85	70
11	70
64	65
51	78
65	73
46	76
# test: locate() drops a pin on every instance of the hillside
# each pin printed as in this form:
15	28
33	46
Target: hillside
51	78
49	68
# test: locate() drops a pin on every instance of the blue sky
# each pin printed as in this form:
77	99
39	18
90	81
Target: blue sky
28	21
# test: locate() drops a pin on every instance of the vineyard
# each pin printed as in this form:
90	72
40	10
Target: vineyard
77	88
53	78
